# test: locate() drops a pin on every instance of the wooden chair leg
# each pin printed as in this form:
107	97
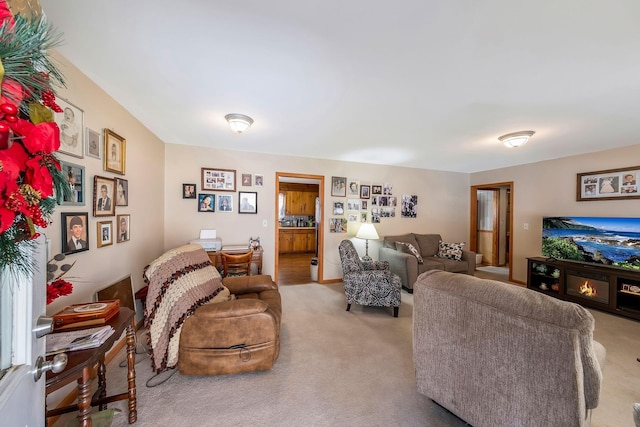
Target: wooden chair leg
348	307
395	311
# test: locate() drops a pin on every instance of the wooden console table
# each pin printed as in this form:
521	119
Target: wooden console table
80	366
216	258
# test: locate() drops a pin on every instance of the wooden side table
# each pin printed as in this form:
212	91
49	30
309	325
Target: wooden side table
80	366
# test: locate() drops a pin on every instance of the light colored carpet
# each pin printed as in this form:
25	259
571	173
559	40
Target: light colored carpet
339	368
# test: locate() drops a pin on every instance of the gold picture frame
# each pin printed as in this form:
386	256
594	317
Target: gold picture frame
104	196
114	152
105	233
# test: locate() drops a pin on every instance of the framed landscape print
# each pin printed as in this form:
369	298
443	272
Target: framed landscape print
71	124
218	179
92	144
105	233
115	152
74	232
76	179
247	202
123	224
104	193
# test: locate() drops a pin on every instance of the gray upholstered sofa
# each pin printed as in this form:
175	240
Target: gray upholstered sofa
408	267
497	354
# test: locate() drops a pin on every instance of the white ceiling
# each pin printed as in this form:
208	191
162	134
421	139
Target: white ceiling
418	83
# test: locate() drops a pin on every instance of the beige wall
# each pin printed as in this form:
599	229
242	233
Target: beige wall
549	189
100	267
443	200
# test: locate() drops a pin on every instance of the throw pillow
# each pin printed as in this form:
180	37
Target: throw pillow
408	248
450	250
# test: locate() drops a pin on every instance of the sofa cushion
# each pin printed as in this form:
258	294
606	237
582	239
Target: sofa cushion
450	265
408	248
428	244
450	250
390	241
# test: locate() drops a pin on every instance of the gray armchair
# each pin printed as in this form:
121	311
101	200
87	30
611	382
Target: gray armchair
368	282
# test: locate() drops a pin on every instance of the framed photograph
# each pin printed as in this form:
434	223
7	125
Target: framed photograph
115	152
387	189
258	180
124	228
409	206
247	202
353	204
338	208
92	144
339	186
206	202
218	179
189	191
225	203
376	189
353	188
71	124
104	193
76	179
105	233
611	184
122	192
337	225
365	191
74	232
246	180
364	205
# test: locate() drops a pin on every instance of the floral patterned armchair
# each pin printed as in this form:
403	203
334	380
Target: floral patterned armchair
368	282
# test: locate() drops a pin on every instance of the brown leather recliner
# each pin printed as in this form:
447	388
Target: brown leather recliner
230	337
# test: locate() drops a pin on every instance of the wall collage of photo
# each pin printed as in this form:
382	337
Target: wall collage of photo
224	180
109	192
366	203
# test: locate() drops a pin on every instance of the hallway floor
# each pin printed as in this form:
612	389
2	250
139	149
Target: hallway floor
294	269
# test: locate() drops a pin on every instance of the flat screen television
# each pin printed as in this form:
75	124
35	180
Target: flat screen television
600	240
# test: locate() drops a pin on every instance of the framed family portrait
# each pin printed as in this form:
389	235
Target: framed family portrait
76	179
376	189
247	202
225	203
115	152
338	186
105	233
74	232
611	184
104	193
206	202
218	179
71	124
92	146
188	191
123	225
122	192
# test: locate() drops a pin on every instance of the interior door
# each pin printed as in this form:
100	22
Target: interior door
23	300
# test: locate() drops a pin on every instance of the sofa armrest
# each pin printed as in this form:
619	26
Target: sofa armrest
233	308
404	265
470	257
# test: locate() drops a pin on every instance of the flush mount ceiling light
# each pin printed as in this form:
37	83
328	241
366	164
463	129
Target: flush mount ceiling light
516	139
239	122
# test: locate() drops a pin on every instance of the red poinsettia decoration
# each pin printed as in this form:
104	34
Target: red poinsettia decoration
57	289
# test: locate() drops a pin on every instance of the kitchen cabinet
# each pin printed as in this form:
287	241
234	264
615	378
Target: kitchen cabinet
300	203
296	240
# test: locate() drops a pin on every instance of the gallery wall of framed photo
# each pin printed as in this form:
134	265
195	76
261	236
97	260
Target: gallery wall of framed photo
216	184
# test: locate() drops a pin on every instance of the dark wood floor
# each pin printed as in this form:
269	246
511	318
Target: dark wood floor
294	269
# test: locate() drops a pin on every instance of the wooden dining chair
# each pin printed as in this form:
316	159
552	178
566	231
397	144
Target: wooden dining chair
234	264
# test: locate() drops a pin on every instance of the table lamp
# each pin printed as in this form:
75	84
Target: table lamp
367	231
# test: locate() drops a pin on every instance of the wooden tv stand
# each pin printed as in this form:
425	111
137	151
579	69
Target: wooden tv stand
554	277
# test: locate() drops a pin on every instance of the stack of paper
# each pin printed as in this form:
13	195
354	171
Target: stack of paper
77	340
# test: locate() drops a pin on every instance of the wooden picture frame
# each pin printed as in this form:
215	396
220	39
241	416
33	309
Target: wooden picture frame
74	236
247	202
339	186
376	189
609	184
218	179
206	202
75	175
246	180
71	124
104	196
189	191
123	224
114	152
122	192
92	147
104	235
225	203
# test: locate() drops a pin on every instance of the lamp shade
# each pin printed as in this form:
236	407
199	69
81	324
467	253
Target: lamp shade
239	122
516	139
367	231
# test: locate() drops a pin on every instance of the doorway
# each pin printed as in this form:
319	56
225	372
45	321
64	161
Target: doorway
299	231
491	224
